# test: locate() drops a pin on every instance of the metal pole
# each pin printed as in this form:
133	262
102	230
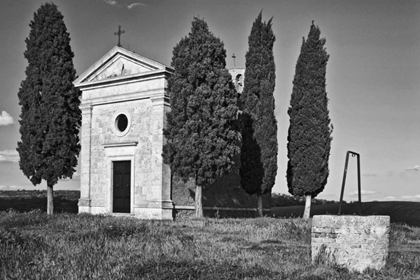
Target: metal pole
359	184
344	182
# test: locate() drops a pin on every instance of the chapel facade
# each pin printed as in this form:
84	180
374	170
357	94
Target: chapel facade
124	104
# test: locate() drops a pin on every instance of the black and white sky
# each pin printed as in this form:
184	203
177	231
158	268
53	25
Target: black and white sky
373	75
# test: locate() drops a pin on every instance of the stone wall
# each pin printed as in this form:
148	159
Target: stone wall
355	242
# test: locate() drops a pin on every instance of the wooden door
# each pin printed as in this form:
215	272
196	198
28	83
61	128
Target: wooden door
121	186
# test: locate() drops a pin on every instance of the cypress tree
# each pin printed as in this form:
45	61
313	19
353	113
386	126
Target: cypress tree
259	126
309	138
50	114
201	135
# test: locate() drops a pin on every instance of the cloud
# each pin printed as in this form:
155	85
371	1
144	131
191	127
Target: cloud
414	168
10	188
5	118
135	5
411	197
363	192
111	2
75	177
128	6
9	156
415	198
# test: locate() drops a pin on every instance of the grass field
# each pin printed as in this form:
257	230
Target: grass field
69	246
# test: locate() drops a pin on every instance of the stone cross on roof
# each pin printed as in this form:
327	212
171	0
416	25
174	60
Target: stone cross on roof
119	34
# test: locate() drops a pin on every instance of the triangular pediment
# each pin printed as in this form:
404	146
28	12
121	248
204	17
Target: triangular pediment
118	63
120	66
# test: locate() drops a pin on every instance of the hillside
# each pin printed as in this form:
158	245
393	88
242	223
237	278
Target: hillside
27	200
399	211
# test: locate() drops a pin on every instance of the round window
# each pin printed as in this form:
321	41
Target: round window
121	122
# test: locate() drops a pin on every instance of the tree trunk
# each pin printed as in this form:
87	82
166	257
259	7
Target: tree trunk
50	199
307	212
260	205
198	202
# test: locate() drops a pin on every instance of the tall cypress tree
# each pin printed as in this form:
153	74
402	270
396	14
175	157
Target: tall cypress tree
259	126
50	114
201	135
309	139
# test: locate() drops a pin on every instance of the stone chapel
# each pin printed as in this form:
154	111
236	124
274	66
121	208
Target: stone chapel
124	104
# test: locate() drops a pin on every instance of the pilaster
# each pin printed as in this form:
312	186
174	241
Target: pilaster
161	106
85	156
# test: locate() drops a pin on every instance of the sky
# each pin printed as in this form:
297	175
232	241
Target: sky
373	74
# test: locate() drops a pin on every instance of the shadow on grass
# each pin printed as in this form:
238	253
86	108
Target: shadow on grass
171	269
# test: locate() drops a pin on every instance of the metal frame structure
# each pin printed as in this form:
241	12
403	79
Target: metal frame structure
353	154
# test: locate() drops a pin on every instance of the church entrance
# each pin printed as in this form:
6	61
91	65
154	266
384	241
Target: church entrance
121	186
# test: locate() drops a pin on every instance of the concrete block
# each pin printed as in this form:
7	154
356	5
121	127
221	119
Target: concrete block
355	242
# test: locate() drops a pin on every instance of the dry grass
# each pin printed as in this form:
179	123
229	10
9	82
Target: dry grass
68	246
